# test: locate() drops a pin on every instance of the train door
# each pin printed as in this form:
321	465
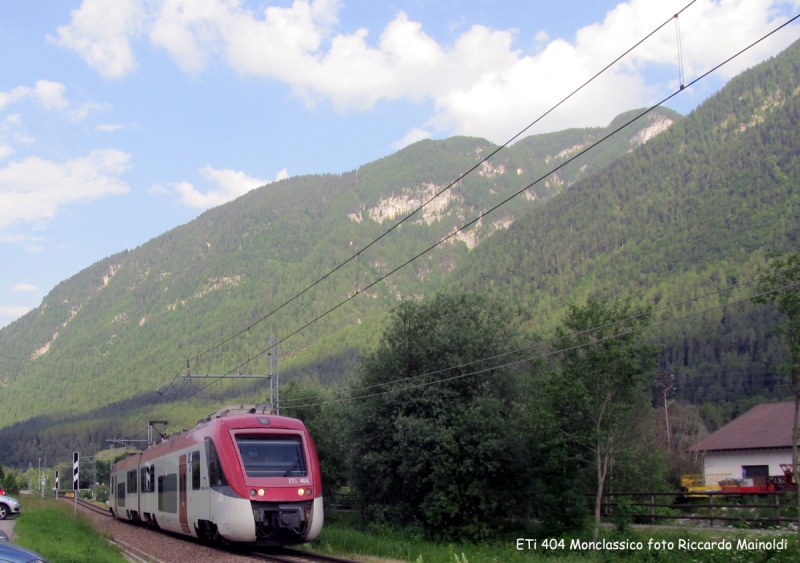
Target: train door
196	508
182	493
120	494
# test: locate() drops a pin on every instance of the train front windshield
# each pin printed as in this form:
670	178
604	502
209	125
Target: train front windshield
272	456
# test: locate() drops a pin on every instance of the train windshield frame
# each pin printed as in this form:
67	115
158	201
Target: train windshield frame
271	455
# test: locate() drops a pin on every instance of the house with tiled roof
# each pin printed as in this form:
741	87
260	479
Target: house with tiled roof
752	446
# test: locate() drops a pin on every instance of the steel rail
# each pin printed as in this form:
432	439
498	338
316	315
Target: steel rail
88	505
298	555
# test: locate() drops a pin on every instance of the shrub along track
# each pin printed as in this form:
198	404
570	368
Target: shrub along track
144	544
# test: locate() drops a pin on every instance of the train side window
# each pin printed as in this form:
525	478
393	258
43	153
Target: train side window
152	470
168	493
143	479
131	481
196	470
216	476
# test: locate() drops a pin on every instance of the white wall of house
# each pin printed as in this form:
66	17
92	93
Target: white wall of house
731	462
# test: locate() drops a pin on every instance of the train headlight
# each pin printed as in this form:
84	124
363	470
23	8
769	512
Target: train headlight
252	492
308	492
261	492
301	492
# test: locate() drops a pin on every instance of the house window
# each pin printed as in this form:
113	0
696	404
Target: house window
758	473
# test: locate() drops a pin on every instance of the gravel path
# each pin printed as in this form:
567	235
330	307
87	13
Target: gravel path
167	548
7	526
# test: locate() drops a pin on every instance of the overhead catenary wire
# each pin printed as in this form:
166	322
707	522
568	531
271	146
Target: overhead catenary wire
519	192
356	256
579	333
412	213
490	210
546	354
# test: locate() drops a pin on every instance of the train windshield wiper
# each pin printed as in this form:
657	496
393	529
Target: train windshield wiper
293	467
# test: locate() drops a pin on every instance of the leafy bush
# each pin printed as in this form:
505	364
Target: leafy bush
102	494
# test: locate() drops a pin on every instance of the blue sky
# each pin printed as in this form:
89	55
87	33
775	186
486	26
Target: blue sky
121	119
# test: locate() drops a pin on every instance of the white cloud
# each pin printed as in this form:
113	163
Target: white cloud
100	31
79	113
5	151
29	242
24	287
416	134
23	138
32	190
50	95
108	127
481	85
14	95
13	312
232	185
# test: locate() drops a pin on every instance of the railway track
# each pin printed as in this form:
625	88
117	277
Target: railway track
283	555
89	506
288	555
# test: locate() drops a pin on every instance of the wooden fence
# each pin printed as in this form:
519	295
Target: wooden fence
717	504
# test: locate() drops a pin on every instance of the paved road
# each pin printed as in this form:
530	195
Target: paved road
7	526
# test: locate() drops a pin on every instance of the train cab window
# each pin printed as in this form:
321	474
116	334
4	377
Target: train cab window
272	456
216	476
132	481
195	470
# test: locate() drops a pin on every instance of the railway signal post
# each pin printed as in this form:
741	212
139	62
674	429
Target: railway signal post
75	475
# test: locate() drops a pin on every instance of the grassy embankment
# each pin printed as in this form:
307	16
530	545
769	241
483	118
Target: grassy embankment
50	528
345	539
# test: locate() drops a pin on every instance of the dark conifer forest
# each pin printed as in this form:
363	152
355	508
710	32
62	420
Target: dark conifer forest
672	217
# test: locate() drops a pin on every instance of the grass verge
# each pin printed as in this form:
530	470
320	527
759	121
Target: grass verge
50	528
344	538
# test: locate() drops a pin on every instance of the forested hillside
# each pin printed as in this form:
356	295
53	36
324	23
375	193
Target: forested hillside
689	213
116	331
668	210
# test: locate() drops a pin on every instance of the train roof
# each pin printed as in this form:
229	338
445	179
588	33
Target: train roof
207	427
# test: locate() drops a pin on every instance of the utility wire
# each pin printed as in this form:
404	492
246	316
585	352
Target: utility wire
546	354
357	255
579	333
490	210
481	215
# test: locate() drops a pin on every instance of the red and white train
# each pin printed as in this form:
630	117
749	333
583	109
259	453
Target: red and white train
245	477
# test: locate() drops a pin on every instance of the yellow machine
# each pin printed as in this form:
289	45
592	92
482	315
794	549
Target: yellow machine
702	483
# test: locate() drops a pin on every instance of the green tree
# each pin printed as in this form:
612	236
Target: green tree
598	383
782	288
9	481
448	454
327	422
